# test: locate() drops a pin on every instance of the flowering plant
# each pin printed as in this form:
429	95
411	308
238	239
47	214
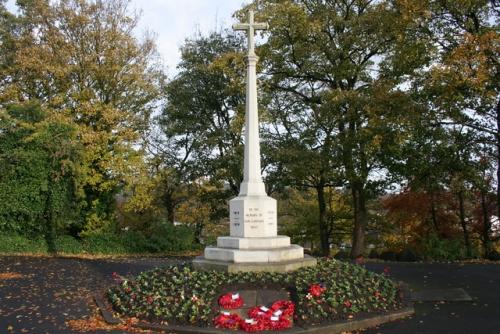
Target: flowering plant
227	321
316	290
230	301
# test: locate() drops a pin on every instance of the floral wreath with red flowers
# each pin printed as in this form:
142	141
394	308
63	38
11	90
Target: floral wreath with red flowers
230	301
277	317
283	307
253	325
278	323
316	290
227	320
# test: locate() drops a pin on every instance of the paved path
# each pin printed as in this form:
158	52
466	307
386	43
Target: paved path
480	281
53	290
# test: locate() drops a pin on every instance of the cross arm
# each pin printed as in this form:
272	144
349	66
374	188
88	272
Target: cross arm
261	26
241	26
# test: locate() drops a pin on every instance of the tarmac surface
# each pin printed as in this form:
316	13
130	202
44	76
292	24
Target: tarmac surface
50	291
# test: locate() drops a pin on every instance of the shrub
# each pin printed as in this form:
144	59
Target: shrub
68	244
374	254
167	237
435	248
343	255
14	243
494	256
407	255
388	256
104	243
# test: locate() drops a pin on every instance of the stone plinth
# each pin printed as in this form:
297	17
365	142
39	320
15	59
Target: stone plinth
253	216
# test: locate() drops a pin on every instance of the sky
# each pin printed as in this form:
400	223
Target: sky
172	21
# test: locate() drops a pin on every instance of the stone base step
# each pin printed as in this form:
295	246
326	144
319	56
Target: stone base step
279	241
291	252
202	264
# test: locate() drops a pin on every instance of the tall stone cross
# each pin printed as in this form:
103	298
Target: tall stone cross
253	243
252	180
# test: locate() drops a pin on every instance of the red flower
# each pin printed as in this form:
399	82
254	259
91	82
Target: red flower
150	300
230	301
252	325
278	323
377	294
285	306
387	270
347	303
227	321
260	312
316	290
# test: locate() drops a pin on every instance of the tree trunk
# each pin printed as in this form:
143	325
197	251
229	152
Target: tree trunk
463	223
486	226
434	214
323	228
360	220
198	229
169	207
50	232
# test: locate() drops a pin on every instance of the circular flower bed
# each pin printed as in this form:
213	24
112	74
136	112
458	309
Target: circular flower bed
329	291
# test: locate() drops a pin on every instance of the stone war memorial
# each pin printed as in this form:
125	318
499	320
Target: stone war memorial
254	279
318	168
253	244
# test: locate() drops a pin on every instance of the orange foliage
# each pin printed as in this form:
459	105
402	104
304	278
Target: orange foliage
411	213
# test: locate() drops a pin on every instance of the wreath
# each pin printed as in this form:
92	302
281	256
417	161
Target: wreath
230	301
227	321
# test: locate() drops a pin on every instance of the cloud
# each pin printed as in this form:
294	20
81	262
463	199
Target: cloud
173	21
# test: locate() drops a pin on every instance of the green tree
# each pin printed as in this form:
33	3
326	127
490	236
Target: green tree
200	126
39	157
80	59
463	83
334	70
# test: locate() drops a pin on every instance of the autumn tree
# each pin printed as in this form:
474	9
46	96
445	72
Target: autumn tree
80	59
200	127
463	79
334	68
